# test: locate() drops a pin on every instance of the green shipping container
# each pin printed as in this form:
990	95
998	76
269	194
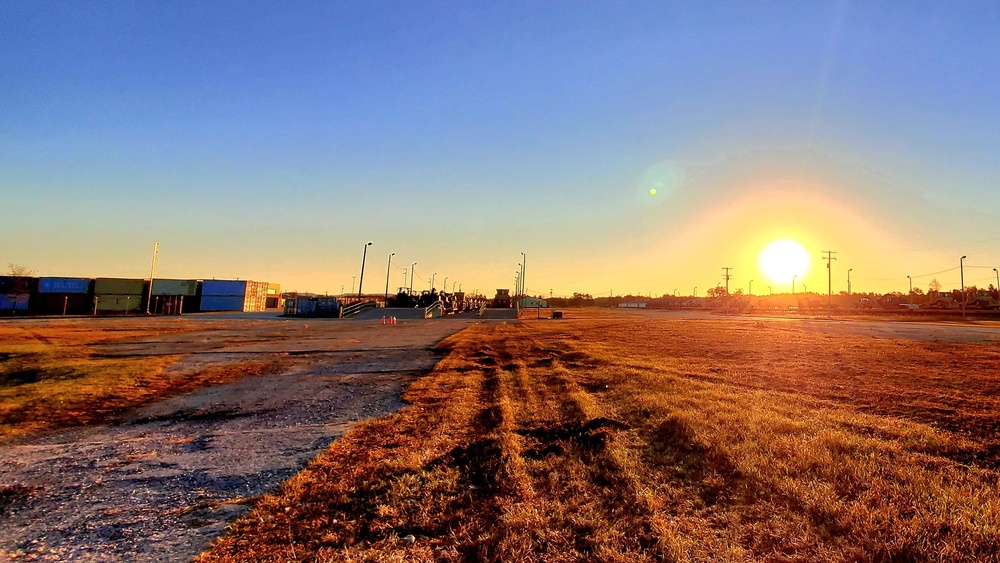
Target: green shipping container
118	286
118	303
186	288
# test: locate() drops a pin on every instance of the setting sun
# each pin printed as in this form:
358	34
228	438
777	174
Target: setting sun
784	259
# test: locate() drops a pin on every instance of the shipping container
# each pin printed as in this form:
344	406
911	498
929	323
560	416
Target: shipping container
16	285
118	286
64	285
233	295
222	302
224	287
119	303
61	304
187	288
10	303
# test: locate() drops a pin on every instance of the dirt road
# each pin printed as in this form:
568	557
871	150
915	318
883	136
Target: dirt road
163	481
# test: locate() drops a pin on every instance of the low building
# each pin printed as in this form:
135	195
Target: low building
274	298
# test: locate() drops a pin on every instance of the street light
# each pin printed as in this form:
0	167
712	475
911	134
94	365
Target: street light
517	278
793	283
849	280
387	269
911	284
354	279
446	284
413	270
997	272
362	280
695	292
750	289
434	275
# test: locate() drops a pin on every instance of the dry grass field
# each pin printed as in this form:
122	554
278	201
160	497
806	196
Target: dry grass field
628	438
55	374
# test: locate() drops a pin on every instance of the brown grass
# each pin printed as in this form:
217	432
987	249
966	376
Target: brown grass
627	438
52	374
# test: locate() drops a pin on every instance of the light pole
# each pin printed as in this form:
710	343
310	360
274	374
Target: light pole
152	269
354	279
362	280
849	280
675	293
517	278
413	270
524	262
433	276
446	284
961	274
694	293
997	272
405	271
911	285
750	289
769	292
387	268
793	283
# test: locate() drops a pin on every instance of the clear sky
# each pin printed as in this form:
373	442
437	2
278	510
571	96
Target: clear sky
270	141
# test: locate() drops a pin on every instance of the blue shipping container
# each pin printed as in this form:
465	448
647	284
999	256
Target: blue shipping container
63	285
224	288
222	302
13	302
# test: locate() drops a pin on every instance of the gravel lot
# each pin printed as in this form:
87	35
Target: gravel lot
163	481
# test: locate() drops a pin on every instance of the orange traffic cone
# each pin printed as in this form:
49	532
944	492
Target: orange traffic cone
383	319
393	319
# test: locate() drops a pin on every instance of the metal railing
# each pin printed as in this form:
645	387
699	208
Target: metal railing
435	307
355	308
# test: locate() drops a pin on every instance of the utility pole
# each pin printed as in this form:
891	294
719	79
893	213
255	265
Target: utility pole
911	285
727	276
362	280
961	273
829	280
524	265
387	269
413	270
152	269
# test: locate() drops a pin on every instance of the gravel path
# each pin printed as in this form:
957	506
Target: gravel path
164	481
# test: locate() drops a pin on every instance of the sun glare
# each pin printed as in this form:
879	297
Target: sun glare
784	259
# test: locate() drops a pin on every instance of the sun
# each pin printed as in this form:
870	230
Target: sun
784	259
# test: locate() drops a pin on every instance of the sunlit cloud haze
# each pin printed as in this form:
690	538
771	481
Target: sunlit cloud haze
272	143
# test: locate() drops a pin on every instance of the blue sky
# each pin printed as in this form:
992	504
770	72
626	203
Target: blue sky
270	141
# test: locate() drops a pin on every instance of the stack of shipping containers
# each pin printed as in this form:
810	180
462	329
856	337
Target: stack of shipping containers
173	297
63	296
117	295
233	295
14	294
